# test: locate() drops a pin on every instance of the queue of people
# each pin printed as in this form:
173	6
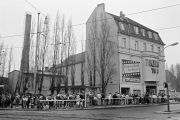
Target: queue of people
62	100
120	99
39	101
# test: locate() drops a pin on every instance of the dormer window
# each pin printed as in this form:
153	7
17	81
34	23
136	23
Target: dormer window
136	30
121	25
143	32
155	36
149	34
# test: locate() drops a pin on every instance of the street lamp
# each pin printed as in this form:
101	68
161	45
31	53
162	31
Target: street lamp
173	44
165	84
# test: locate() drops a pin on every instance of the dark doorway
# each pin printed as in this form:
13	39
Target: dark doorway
125	91
151	89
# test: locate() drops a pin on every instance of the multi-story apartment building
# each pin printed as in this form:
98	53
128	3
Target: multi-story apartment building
138	53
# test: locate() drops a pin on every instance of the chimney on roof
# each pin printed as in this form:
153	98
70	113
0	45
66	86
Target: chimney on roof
122	15
101	5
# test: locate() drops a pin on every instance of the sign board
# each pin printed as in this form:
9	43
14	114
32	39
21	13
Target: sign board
131	71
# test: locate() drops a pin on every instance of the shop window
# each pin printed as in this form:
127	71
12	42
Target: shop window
137	92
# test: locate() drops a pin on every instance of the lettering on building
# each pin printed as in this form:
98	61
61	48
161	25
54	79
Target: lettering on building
131	71
154	65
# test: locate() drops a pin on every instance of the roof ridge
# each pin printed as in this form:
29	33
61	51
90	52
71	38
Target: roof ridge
133	21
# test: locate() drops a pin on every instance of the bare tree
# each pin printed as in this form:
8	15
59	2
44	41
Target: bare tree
73	63
10	59
83	62
178	77
172	69
68	44
55	51
43	50
104	66
61	54
91	55
4	61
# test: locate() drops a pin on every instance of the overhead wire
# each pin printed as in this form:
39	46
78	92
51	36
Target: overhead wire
16	35
34	7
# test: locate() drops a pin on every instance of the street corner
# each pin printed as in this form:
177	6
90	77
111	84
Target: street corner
168	112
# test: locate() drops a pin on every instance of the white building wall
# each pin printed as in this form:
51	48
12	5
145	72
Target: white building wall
128	53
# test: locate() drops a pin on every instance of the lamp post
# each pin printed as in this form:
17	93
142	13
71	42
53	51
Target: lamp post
159	54
165	84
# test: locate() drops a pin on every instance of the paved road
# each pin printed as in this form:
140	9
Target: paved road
130	113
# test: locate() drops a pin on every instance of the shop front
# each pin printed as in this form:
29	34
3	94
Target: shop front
151	87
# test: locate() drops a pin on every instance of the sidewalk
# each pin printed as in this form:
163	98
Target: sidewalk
95	108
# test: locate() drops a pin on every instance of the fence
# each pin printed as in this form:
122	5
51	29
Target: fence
81	103
131	101
61	104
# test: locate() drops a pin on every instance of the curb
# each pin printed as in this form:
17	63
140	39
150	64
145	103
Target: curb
92	108
88	108
166	112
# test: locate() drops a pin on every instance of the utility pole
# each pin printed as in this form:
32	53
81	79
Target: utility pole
36	54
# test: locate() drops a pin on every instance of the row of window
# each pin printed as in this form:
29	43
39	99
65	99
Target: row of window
137	46
137	31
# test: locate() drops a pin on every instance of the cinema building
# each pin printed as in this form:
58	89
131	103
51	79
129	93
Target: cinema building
138	54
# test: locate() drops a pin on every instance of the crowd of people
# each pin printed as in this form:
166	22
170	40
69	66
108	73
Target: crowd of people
39	101
27	101
118	99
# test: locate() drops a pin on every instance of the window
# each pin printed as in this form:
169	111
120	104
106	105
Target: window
136	29
155	36
136	45
149	34
152	48
137	92
143	32
144	47
124	42
158	49
121	26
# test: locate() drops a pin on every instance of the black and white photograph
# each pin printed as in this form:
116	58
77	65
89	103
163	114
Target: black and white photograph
89	60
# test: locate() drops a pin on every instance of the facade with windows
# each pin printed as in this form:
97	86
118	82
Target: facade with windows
139	55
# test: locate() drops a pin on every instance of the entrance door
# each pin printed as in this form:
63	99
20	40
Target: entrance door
151	89
125	91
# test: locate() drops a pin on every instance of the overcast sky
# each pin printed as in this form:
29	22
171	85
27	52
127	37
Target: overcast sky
12	18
